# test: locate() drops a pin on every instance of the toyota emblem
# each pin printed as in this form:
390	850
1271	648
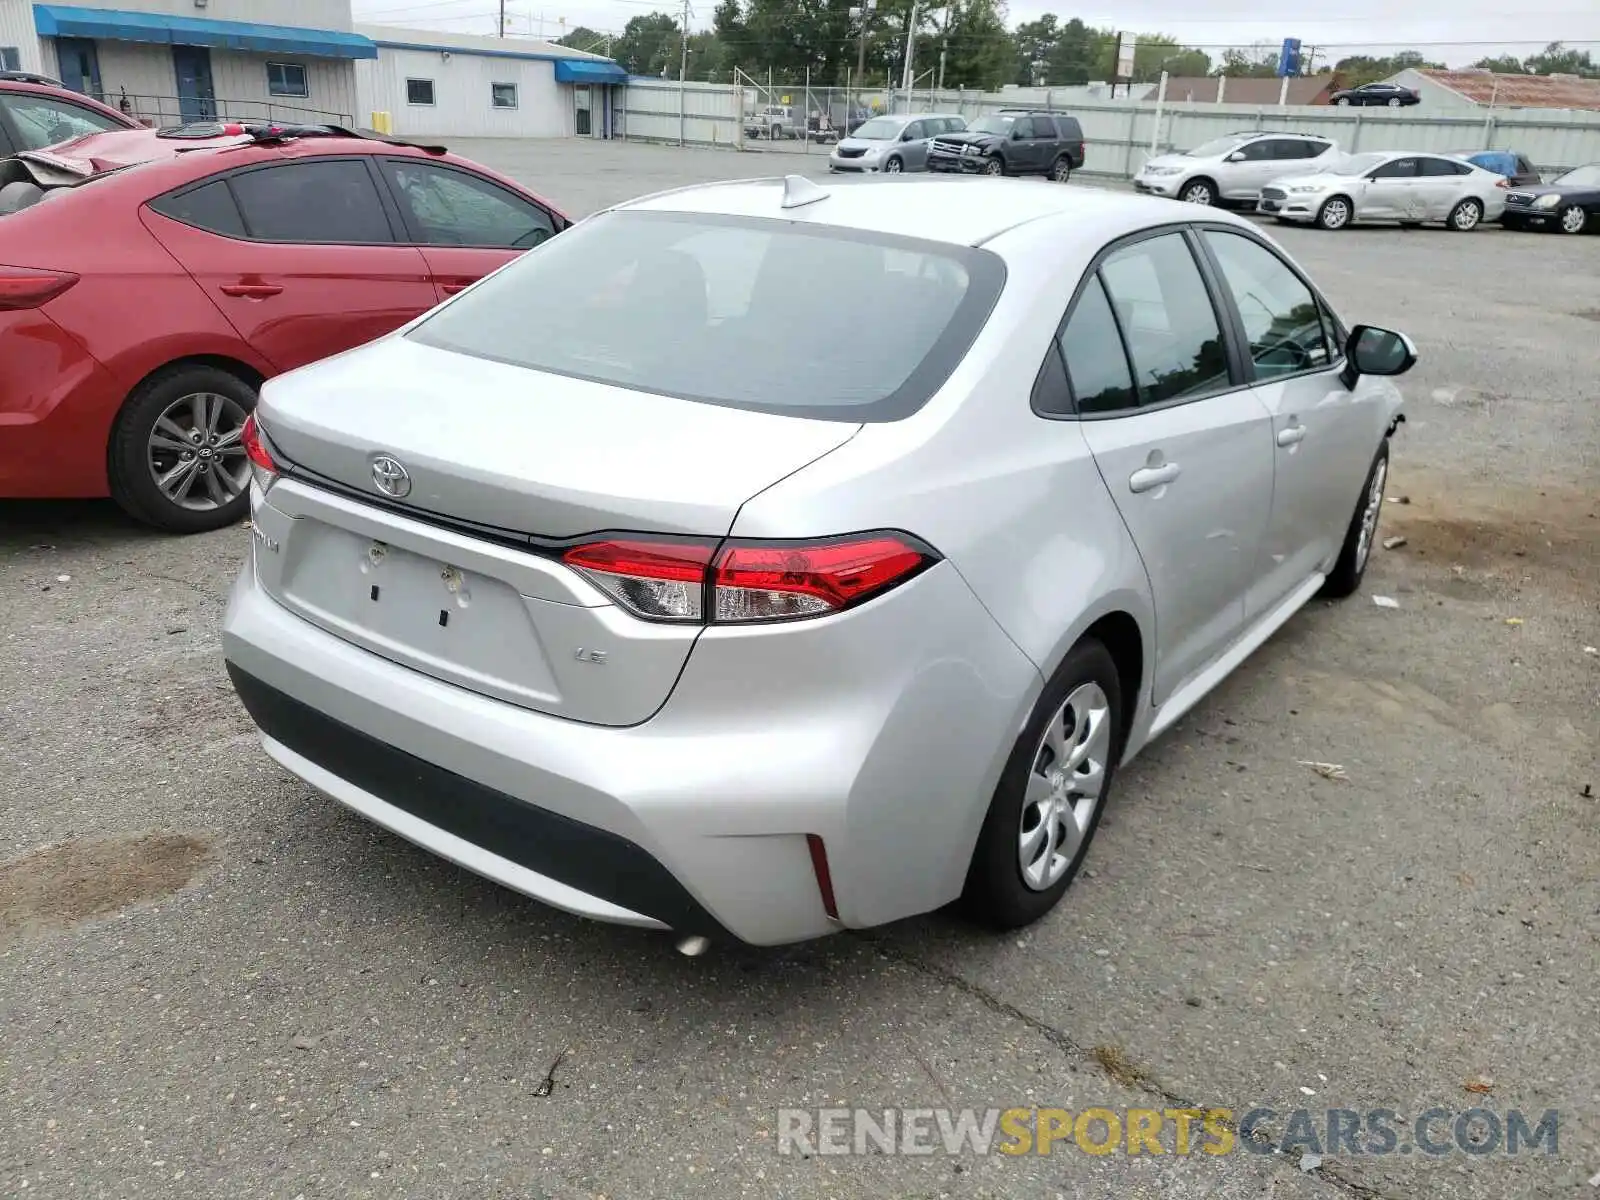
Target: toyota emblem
390	476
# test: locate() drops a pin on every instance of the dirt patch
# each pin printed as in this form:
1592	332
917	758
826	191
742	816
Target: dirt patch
193	712
78	880
1115	1062
1549	536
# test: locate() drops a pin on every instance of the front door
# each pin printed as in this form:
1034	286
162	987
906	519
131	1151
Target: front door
197	99
1185	454
582	99
80	65
1393	192
1320	449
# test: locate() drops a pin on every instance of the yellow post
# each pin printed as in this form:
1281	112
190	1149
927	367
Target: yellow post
381	122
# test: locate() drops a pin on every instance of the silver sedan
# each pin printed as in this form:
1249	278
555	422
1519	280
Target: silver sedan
635	602
1389	185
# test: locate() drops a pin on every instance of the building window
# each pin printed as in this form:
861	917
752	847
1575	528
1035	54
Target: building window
419	91
10	58
503	95
286	79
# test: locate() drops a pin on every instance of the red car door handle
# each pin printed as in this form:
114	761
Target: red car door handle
251	291
460	285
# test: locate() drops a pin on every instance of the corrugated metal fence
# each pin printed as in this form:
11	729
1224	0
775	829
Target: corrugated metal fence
1122	134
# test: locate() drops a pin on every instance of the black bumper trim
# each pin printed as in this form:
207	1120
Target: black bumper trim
581	856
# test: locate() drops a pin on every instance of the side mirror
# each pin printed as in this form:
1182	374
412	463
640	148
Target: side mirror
1374	351
1236	156
906	136
1016	135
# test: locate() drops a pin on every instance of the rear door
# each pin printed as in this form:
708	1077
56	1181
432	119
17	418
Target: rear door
1441	182
1042	146
300	256
464	224
1185	451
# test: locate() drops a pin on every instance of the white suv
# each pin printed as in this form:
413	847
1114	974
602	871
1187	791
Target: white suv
1235	167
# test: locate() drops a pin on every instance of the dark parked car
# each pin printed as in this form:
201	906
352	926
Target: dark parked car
1391	94
36	111
1012	141
1570	202
1515	167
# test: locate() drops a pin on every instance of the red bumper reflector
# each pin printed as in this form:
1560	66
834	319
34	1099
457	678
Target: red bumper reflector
819	864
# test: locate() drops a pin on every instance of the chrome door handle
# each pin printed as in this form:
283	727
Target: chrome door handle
1146	478
1290	434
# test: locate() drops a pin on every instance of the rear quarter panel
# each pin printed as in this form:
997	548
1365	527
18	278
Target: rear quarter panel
1012	500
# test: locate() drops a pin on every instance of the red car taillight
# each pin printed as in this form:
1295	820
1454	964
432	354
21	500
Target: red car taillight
255	449
27	287
747	582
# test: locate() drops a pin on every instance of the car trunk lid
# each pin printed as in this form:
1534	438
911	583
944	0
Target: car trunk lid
455	577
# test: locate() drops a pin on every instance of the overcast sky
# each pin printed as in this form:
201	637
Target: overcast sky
1452	31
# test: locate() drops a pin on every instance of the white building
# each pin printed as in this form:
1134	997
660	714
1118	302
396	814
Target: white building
168	61
460	85
172	60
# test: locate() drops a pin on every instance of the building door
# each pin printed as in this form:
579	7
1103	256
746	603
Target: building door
583	98
80	65
197	99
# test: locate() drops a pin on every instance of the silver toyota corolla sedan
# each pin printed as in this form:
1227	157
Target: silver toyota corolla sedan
599	582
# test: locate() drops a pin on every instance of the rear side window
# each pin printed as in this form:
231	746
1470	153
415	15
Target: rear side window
1070	129
1443	166
1092	347
452	208
312	202
742	312
1043	126
210	207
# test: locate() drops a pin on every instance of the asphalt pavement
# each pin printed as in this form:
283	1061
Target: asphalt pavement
214	983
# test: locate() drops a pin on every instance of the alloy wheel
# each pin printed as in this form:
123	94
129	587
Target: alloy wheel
1062	171
1573	220
892	167
1065	786
1335	214
1394	101
1197	193
994	167
195	454
1466	215
1369	514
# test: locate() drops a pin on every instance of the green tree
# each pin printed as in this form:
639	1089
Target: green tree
977	48
1363	68
1557	59
649	45
1258	62
1082	53
1505	64
1035	46
584	38
1155	53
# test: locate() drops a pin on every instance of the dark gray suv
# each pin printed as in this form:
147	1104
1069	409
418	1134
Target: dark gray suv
1013	141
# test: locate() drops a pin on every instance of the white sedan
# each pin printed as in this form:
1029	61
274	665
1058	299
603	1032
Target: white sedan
1389	185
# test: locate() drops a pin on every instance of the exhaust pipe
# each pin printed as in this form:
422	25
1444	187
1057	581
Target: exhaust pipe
694	947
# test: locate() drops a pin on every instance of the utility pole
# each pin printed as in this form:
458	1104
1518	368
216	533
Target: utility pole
502	18
683	58
861	53
911	45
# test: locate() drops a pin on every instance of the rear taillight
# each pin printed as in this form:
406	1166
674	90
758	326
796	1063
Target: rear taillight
255	449
745	582
659	580
1502	182
27	287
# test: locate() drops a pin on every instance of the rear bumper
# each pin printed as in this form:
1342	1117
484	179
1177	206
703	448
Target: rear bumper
882	730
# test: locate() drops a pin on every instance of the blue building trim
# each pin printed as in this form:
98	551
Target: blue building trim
526	55
59	20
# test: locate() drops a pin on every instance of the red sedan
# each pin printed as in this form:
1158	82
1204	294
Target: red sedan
154	281
38	111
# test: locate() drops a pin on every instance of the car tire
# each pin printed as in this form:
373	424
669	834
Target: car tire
1572	219
1198	191
995	166
893	166
1335	213
1362	534
1016	876
1465	216
1343	101
1394	101
1061	169
190	404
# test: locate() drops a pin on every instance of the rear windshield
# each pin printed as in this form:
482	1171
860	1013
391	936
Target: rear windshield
745	312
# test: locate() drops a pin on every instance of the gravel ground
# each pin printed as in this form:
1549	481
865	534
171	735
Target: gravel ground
215	984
